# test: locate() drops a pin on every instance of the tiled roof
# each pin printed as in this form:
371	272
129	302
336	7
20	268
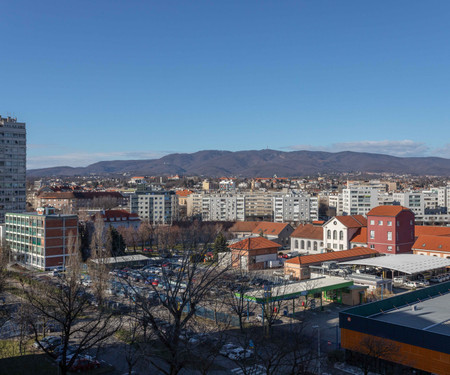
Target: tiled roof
387	210
335	255
360	236
268	228
254	243
183	193
244	226
438	243
308	231
353	221
431	230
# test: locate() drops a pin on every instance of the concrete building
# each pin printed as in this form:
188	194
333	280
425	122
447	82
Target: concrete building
390	229
359	200
13	166
119	218
413	200
72	202
41	239
158	207
292	207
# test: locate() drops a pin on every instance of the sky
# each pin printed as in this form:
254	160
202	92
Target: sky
112	80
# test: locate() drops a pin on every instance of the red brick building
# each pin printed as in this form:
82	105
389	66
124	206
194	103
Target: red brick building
253	253
41	239
390	229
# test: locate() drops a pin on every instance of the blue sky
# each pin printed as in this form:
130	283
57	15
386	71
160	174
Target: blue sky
105	80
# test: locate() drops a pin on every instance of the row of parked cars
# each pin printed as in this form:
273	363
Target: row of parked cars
54	344
440	278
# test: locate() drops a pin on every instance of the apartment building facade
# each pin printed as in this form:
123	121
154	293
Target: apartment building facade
359	200
41	239
158	207
12	166
291	207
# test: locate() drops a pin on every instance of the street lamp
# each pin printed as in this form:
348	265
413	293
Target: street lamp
318	345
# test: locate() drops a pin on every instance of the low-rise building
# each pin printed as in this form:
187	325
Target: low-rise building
437	246
307	238
298	267
277	232
254	253
390	229
41	239
339	230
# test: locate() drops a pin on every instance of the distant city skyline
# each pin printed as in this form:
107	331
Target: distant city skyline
101	81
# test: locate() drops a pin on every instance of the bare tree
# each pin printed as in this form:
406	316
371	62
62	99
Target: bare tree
171	310
68	305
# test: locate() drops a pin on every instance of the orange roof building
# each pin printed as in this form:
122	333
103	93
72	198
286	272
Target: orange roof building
438	246
298	267
254	253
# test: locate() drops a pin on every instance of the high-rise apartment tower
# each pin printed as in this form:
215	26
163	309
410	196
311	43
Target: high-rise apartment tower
13	152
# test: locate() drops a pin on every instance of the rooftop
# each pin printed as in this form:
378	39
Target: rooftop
387	210
308	231
269	228
335	255
254	243
406	263
351	221
432	314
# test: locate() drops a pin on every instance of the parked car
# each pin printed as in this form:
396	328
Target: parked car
412	284
227	349
240	353
84	363
48	342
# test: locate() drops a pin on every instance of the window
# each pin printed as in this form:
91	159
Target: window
335	235
398	223
296	244
389	248
389	223
315	246
372	246
341	247
380	222
308	245
341	235
302	244
410	222
372	234
372	222
329	234
389	236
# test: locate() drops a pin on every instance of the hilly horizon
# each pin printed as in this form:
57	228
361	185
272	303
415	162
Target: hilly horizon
258	163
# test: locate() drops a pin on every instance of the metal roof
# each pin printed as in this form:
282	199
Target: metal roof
122	259
294	290
406	263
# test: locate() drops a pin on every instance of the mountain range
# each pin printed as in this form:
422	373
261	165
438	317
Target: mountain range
259	163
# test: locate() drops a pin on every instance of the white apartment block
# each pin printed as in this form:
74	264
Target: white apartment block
335	201
158	207
292	207
314	208
13	166
413	200
359	200
223	207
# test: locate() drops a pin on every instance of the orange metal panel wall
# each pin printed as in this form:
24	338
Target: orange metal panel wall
408	355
